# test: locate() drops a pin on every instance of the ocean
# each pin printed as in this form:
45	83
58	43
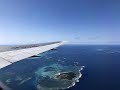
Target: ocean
97	67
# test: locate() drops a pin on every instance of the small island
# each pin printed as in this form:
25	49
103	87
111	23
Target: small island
65	76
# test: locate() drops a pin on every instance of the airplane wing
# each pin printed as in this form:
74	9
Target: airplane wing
11	54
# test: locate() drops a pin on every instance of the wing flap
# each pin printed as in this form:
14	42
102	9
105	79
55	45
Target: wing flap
4	63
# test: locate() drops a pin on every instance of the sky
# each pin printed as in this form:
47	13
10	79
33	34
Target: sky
75	21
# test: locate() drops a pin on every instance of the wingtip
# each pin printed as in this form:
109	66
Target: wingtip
64	41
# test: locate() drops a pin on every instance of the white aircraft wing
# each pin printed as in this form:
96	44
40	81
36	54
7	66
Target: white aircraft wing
9	55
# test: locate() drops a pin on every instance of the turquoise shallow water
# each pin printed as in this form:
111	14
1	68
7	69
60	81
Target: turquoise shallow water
45	77
101	69
38	73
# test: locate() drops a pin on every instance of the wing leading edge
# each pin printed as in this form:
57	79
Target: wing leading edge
9	57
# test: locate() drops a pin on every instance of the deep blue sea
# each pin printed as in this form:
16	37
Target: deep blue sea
99	66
